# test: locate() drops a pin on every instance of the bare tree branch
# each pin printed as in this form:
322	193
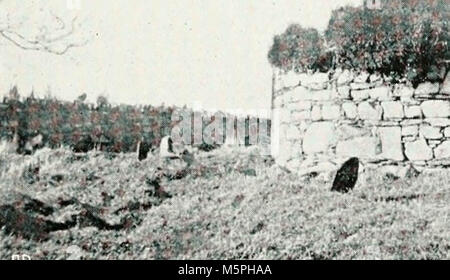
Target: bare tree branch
58	40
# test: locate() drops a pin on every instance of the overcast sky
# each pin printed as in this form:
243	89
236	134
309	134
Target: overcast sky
213	52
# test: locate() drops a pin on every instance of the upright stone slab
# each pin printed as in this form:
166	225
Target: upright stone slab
346	176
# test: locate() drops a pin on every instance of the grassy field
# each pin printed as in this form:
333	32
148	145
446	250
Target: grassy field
233	204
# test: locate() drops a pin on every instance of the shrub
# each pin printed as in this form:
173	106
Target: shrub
405	39
299	49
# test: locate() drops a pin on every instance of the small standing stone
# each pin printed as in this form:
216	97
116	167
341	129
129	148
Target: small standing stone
347	176
142	150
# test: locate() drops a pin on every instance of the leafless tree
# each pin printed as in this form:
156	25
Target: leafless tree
55	38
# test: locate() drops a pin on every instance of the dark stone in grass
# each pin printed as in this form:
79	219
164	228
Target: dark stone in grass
143	150
204	147
347	176
85	145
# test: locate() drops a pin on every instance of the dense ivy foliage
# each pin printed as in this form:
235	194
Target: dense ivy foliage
405	39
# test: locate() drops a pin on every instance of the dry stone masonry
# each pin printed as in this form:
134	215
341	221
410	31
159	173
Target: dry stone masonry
321	120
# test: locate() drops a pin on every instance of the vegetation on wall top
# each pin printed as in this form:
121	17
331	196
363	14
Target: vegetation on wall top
405	39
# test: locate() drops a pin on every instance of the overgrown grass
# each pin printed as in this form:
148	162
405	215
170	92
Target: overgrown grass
221	211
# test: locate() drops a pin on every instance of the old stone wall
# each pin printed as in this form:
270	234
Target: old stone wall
321	120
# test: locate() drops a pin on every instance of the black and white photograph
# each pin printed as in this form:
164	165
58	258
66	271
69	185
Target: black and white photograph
224	130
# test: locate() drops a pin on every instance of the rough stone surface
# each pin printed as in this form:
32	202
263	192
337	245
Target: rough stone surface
302	106
345	132
363	147
436	108
366	111
299	94
412	130
316	81
447	132
353	117
331	112
362	77
439	122
391	143
418	150
393	110
299	116
412	112
409	139
321	95
427	89
345	77
289	79
350	110
293	133
283	115
359	95
380	93
319	137
430	132
344	92
442	151
316	113
403	91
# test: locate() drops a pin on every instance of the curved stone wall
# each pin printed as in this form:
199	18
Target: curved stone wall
321	120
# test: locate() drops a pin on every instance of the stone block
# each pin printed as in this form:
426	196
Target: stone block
359	95
298	116
391	143
403	91
380	93
412	130
418	150
427	88
331	112
413	112
430	132
392	110
438	122
362	147
350	110
447	132
319	137
442	151
436	108
343	92
292	132
316	113
367	111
